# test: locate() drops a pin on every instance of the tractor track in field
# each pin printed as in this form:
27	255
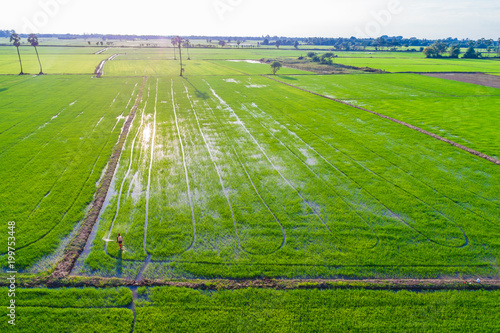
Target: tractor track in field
415	128
186	173
223	103
385	159
466	239
148	186
77	245
225	192
253	184
322	180
149	259
383	178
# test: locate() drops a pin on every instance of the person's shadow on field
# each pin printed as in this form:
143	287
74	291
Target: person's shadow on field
119	267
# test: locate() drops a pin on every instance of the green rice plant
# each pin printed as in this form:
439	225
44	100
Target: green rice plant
250	177
251	310
54	153
461	112
70	310
70	297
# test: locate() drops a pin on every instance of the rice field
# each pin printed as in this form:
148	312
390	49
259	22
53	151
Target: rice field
54	144
226	173
244	176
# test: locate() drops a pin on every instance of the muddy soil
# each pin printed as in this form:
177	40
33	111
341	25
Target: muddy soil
475	78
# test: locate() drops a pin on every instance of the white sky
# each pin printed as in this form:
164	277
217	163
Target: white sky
293	18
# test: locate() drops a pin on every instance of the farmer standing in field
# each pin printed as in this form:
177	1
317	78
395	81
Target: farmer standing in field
119	239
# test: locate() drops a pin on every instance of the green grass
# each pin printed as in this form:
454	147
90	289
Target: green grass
356	195
70	297
54	60
159	67
257	310
69	310
54	144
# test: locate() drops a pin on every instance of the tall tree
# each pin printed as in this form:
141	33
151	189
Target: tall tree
454	51
33	39
187	46
471	54
440	48
179	41
174	41
276	66
17	42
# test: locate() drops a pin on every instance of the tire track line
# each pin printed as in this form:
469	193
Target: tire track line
321	179
251	181
454	144
185	165
228	108
353	180
397	186
148	187
223	188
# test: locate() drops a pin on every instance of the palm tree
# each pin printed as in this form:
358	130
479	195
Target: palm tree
33	39
187	45
178	41
17	42
174	42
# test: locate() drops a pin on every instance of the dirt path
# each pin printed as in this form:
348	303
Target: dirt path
78	243
102	51
99	71
475	78
469	283
471	151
